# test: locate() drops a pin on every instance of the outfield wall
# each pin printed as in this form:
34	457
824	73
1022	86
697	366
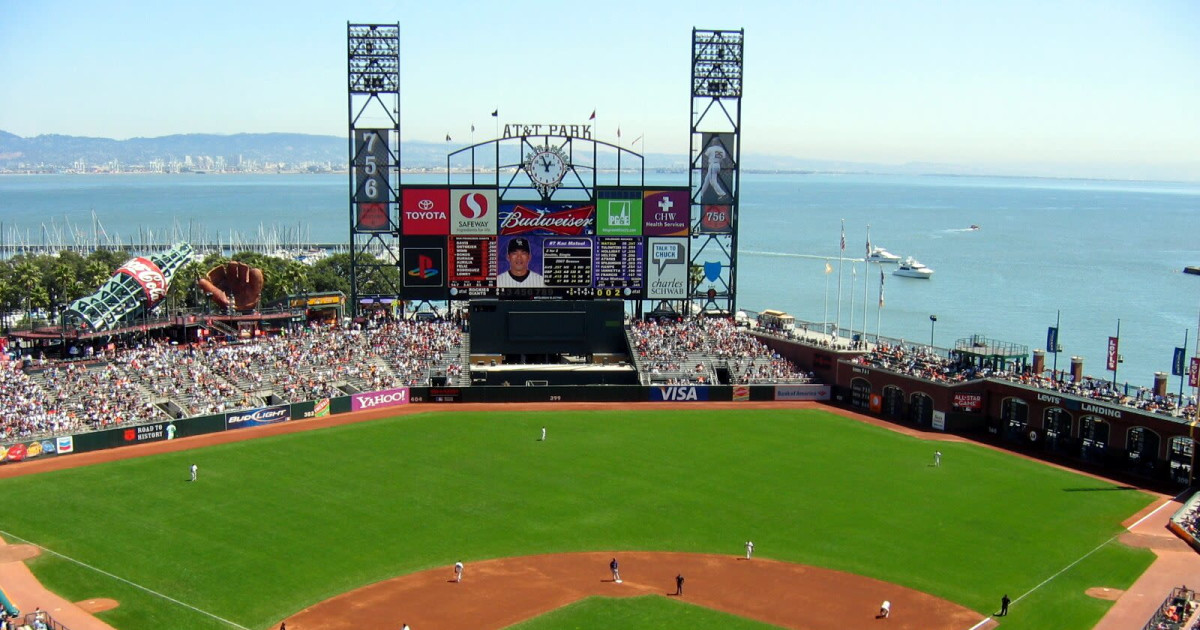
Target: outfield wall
1048	425
17	451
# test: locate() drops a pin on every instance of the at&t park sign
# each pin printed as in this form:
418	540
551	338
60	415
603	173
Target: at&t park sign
516	130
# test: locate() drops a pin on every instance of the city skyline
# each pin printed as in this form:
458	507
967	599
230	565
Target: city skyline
1071	89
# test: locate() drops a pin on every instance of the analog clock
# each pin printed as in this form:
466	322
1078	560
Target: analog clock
546	167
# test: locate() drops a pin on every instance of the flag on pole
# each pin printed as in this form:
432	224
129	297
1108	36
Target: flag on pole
635	140
447	137
495	113
828	267
880	286
843	235
618	132
472	128
593	116
868	241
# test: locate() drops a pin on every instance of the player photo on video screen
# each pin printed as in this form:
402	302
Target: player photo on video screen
521	263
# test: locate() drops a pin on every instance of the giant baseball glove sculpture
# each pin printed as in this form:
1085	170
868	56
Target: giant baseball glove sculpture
233	285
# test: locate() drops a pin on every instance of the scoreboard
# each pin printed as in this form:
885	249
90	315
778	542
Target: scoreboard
598	248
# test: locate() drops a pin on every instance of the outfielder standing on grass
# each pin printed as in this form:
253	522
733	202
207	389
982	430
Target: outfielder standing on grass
193	470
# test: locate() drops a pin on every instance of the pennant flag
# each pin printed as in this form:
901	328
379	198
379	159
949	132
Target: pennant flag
635	140
447	137
495	113
868	243
843	235
618	132
472	128
593	116
828	267
880	286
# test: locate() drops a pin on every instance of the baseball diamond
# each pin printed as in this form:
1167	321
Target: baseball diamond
505	585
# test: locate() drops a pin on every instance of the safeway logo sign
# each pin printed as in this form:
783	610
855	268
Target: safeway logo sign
385	398
473	212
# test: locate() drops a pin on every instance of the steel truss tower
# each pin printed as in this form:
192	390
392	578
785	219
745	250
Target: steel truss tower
373	109
715	173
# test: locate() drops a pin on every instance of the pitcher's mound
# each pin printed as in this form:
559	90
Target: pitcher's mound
99	604
1100	592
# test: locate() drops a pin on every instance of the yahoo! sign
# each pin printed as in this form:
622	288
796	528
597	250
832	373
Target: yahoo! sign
385	398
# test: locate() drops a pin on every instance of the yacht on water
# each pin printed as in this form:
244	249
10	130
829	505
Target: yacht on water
881	255
910	268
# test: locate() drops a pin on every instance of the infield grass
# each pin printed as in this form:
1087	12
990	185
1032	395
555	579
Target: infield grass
276	524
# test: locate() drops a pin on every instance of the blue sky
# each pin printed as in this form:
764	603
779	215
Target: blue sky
1097	88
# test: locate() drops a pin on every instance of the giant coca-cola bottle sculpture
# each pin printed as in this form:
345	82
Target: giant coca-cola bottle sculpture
133	290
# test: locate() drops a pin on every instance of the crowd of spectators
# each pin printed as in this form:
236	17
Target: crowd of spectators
133	385
680	352
921	362
916	361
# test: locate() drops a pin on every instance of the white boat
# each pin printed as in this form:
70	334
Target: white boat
910	268
881	255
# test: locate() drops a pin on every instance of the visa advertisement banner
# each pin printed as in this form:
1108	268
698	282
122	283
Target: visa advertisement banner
678	393
258	417
374	400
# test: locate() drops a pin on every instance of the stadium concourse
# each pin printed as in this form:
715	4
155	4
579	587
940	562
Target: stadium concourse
154	379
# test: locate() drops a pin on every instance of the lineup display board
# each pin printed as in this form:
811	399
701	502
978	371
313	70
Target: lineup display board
466	242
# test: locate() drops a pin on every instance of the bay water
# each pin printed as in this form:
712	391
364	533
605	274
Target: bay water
1094	251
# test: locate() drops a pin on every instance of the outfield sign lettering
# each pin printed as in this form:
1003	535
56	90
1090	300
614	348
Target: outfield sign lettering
678	393
258	417
965	401
385	398
802	392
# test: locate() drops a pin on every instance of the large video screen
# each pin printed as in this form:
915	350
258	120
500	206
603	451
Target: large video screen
462	243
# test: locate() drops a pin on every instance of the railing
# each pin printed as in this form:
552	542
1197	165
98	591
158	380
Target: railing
1174	611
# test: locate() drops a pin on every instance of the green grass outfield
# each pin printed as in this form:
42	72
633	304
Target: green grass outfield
278	523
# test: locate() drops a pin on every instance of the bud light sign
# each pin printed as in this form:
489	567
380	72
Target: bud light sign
374	400
257	417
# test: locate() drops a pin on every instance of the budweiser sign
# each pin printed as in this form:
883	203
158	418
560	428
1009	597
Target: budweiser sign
149	276
571	222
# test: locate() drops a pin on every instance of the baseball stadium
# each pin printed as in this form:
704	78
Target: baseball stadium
541	373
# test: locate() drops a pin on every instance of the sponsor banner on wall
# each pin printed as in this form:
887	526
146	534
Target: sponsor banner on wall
375	400
258	417
665	212
619	216
445	394
64	445
966	401
30	449
321	408
666	268
425	211
148	433
939	420
678	393
875	403
741	393
802	392
473	212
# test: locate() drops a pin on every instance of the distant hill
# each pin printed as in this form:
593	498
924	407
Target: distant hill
55	151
